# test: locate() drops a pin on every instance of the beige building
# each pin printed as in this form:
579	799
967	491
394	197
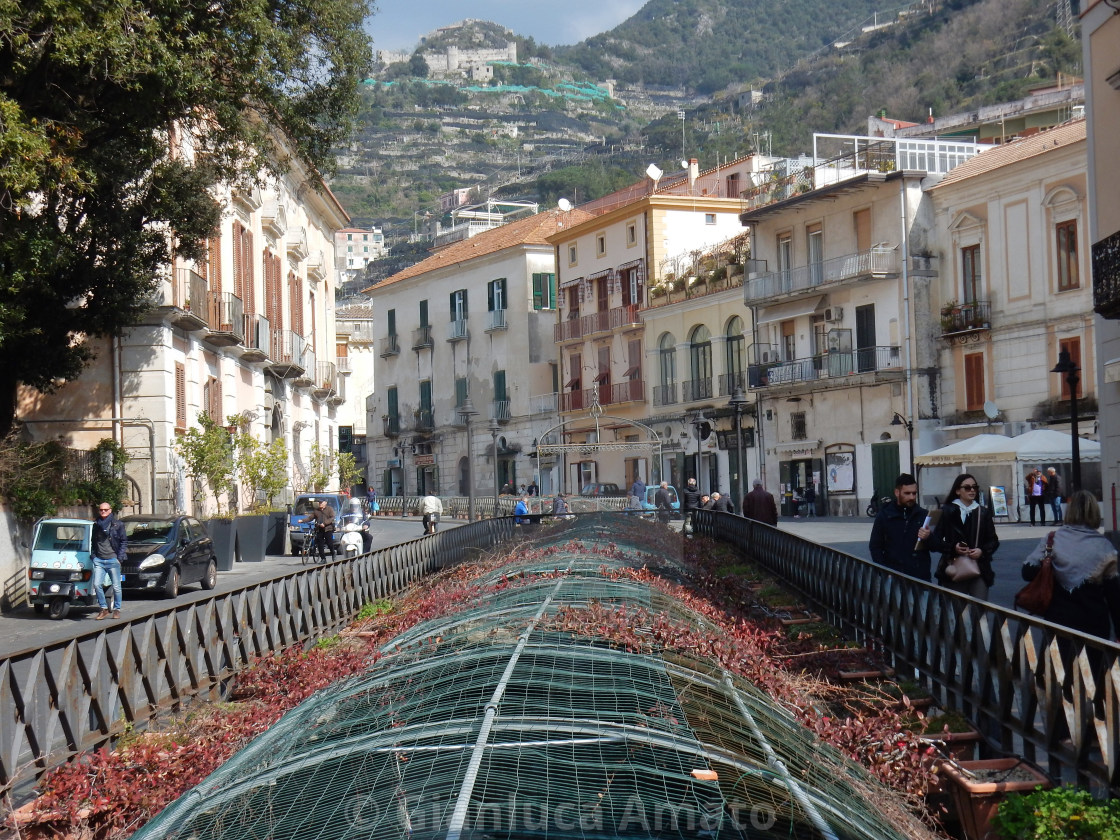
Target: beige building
1100	36
1013	293
249	330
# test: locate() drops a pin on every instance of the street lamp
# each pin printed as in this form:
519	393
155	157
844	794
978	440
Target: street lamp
1067	366
467	411
899	420
737	401
494	428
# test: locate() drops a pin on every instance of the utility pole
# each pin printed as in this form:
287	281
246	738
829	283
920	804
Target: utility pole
680	116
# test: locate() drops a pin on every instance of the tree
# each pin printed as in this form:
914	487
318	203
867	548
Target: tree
207	453
96	100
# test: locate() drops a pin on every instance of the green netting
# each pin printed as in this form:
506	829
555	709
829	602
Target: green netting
492	722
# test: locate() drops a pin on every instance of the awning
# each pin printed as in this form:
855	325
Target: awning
630	371
602	377
790	309
572	383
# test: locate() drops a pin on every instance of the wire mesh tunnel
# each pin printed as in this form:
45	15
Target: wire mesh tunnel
506	719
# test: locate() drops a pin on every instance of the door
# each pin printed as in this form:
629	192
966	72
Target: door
865	338
884	468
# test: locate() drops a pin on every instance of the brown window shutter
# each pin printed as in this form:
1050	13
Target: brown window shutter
214	263
238	262
974	381
180	396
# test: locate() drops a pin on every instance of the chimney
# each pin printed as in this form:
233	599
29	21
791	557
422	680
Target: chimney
693	172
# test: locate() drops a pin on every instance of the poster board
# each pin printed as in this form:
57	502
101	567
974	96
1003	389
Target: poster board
840	471
998	495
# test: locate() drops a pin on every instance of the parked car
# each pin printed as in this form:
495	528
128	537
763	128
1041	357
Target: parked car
649	506
600	490
166	552
304	504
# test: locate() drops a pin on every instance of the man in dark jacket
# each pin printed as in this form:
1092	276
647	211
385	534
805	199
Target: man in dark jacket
663	501
899	528
721	503
760	505
110	546
690	501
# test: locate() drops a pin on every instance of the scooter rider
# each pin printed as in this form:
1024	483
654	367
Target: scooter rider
431	508
109	546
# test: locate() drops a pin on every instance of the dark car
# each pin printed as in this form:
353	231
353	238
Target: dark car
165	552
600	490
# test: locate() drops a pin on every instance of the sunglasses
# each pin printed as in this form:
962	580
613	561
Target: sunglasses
970	487
106	510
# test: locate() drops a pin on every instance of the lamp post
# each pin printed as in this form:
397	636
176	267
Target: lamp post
494	428
899	420
737	401
467	411
1067	366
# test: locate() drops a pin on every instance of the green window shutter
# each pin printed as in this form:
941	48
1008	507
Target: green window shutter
538	291
423	313
490	287
391	316
464	303
426	394
500	385
391	400
551	291
502	286
387	483
460	391
453	305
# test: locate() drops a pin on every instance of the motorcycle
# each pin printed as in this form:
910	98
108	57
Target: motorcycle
60	574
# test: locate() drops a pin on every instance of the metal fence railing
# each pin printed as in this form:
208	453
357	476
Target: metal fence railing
1034	688
77	695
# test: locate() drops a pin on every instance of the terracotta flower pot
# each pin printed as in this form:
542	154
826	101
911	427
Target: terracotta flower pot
977	797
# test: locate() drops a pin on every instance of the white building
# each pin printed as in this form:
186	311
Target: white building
355	248
474	321
357	361
249	330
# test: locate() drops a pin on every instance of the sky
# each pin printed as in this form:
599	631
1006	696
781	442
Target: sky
398	24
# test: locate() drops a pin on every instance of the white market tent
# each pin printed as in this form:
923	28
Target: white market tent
1007	459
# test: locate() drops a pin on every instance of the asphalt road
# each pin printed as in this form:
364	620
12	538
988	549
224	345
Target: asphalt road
23	629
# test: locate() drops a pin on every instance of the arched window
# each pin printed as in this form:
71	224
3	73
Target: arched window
700	358
667	358
736	354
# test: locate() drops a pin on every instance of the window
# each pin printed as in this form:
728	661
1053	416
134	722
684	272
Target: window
816	254
1068	276
701	353
572	254
600	245
789	341
785	257
180	397
970	273
861	219
709	218
460	392
573	300
391	322
243	267
392	409
631	235
459	305
426	395
634	359
797	427
544	291
349	237
733	185
735	349
424	314
500	392
295	301
1073	347
575	372
496	295
212	400
630	279
973	381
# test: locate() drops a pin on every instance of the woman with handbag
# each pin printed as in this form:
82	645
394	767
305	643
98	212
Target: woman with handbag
966	537
1086	592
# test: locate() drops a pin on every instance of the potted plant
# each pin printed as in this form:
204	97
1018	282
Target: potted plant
263	472
956	732
1061	813
977	788
207	453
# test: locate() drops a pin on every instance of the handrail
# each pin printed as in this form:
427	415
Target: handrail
72	696
1027	683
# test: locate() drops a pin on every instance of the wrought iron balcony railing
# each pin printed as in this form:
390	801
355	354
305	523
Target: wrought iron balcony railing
696	389
1106	277
422	337
390	345
457	330
665	394
500	410
496	320
877	262
391	426
226	318
826	366
966	317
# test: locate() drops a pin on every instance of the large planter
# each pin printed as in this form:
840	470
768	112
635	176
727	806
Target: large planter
277	533
222	534
252	537
977	787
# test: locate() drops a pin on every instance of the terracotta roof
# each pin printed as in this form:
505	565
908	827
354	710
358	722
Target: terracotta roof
534	230
1019	149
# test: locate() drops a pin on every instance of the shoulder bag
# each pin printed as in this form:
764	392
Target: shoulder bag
963	567
1035	596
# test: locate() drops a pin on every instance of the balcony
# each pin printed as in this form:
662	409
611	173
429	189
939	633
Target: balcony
574	400
596	322
423	420
569	329
496	320
457	330
422	337
728	382
258	338
964	322
875	264
342	363
665	293
286	354
665	394
391	425
357	332
390	346
838	367
544	403
188	300
325	380
500	411
1106	277
696	389
306	378
632	390
225	315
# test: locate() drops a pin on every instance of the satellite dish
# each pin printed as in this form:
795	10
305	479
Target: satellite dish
684	164
564	204
653	172
991	410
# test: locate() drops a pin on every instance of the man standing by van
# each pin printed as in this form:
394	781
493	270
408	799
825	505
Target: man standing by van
109	545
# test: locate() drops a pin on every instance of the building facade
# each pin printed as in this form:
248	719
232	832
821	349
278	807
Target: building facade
356	356
468	328
249	331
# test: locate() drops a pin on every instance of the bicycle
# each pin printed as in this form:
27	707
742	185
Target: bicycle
307	551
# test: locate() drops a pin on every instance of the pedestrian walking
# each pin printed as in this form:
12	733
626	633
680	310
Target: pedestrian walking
110	544
966	537
637	494
760	505
1034	488
901	528
690	501
1052	495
